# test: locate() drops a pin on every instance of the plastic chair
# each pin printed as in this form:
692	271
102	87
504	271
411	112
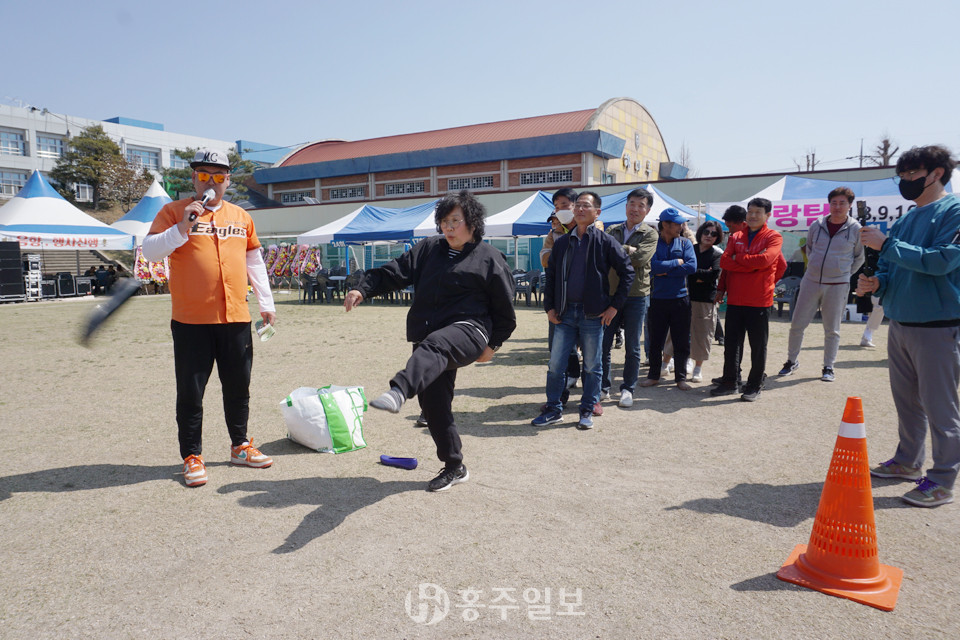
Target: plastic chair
528	286
308	288
324	288
786	292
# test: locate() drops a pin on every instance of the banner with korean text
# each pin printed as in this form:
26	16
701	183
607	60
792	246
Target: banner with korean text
798	215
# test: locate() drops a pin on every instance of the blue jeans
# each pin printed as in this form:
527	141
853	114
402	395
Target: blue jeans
632	318
574	326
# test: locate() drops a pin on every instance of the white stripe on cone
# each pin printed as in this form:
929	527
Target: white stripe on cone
853	430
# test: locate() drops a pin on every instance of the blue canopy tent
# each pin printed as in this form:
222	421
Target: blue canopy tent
370	224
376	224
526	218
614	207
529	217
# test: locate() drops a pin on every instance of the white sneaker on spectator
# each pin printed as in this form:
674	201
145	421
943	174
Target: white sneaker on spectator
697	374
626	398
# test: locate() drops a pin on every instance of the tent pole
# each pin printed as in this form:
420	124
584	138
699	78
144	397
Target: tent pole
516	253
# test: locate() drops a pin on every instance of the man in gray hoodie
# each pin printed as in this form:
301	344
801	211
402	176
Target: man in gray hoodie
834	253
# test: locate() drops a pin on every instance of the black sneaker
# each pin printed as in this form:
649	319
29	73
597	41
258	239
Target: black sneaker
789	367
390	401
827	375
449	477
422	420
725	389
752	392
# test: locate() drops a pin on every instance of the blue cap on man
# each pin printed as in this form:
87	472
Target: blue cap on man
671	215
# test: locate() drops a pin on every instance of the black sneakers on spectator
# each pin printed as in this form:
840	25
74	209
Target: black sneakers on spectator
752	392
448	477
390	401
724	388
422	420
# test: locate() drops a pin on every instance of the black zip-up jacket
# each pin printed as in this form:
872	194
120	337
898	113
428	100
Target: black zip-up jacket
476	287
603	253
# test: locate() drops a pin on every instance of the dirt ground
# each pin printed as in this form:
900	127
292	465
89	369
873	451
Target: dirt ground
668	520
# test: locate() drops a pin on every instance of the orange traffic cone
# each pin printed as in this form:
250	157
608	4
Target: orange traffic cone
841	559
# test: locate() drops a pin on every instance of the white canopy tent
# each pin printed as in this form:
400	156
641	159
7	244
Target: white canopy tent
39	218
137	221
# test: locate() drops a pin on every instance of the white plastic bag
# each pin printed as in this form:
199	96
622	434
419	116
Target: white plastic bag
329	419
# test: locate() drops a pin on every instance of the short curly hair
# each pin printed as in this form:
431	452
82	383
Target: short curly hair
473	211
930	158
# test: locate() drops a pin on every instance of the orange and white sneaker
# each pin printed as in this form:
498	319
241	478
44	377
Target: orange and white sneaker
249	456
194	471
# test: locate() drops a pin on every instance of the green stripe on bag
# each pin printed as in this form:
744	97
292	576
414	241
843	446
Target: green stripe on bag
289	401
339	431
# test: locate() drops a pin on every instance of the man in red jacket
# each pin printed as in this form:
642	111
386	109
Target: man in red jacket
753	263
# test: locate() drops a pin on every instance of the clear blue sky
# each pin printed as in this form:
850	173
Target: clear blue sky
750	86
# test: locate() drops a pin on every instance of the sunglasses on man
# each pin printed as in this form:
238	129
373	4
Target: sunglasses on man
203	176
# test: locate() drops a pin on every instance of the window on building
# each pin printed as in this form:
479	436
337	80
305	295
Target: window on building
144	157
473	183
12	142
607	178
399	188
295	197
49	146
176	162
11	182
84	192
547	177
348	193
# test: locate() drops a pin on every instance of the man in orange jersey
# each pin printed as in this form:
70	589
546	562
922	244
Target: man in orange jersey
214	251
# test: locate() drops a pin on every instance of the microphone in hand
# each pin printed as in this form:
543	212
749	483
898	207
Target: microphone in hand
208	195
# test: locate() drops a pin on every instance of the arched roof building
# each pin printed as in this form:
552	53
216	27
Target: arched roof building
616	142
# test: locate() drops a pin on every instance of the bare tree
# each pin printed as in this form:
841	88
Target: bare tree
686	160
811	160
884	152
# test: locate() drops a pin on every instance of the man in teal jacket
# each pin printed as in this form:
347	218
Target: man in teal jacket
918	282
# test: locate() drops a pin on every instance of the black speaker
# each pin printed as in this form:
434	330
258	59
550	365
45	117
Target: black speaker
84	285
48	288
11	289
65	285
10	262
10	275
10	250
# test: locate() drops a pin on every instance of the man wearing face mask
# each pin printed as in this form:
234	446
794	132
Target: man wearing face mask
918	283
561	222
214	251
